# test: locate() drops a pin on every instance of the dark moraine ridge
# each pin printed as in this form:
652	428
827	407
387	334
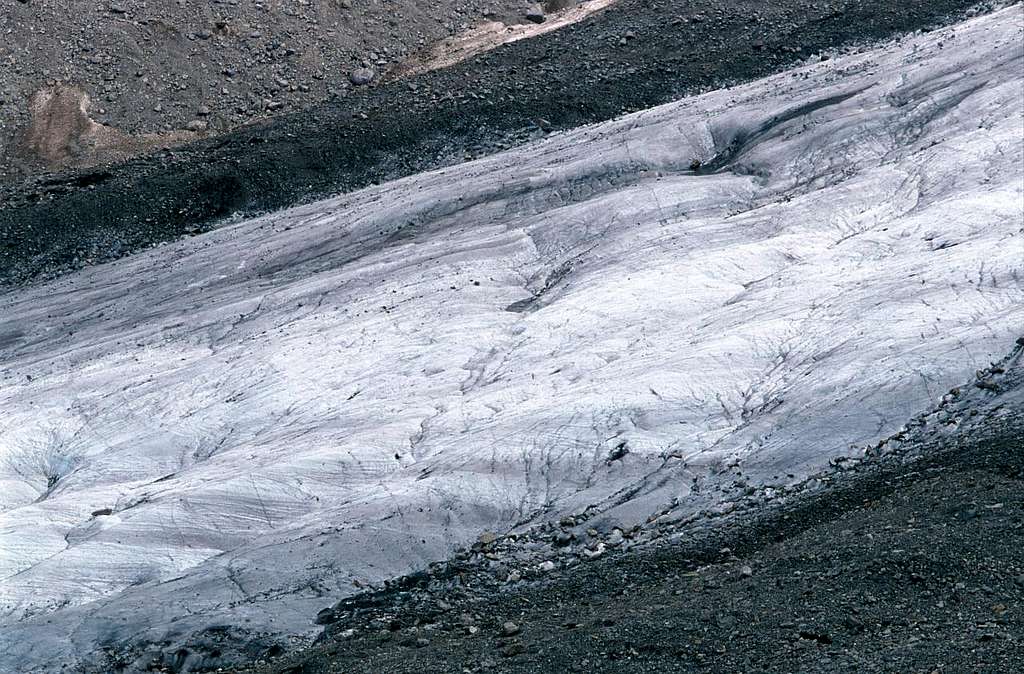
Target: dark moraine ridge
635	54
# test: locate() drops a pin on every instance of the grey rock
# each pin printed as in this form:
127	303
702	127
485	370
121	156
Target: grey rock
536	14
361	76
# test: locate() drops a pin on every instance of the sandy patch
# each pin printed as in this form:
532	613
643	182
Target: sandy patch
61	133
491	34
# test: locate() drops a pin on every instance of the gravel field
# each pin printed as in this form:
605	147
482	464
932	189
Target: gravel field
167	72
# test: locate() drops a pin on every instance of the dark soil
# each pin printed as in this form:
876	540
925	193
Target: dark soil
901	566
636	54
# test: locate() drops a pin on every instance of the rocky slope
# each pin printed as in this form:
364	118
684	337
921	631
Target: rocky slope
162	73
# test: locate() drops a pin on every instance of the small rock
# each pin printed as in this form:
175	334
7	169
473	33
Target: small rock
197	125
509	629
746	571
203	111
101	512
326	617
486	538
513	649
361	76
547	566
536	14
820	637
620	450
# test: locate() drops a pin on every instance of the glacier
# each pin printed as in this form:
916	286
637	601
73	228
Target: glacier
239	428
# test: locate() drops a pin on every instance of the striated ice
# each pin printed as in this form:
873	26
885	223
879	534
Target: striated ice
346	391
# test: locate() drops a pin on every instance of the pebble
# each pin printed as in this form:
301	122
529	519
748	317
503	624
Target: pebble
509	629
361	76
513	649
536	14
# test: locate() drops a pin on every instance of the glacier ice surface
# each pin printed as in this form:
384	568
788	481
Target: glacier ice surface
236	428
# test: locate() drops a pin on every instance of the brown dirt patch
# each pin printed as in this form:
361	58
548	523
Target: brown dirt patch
61	133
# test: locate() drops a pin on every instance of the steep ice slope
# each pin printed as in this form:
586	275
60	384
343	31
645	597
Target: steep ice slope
237	429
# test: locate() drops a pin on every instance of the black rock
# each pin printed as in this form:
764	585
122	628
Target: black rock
326	617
